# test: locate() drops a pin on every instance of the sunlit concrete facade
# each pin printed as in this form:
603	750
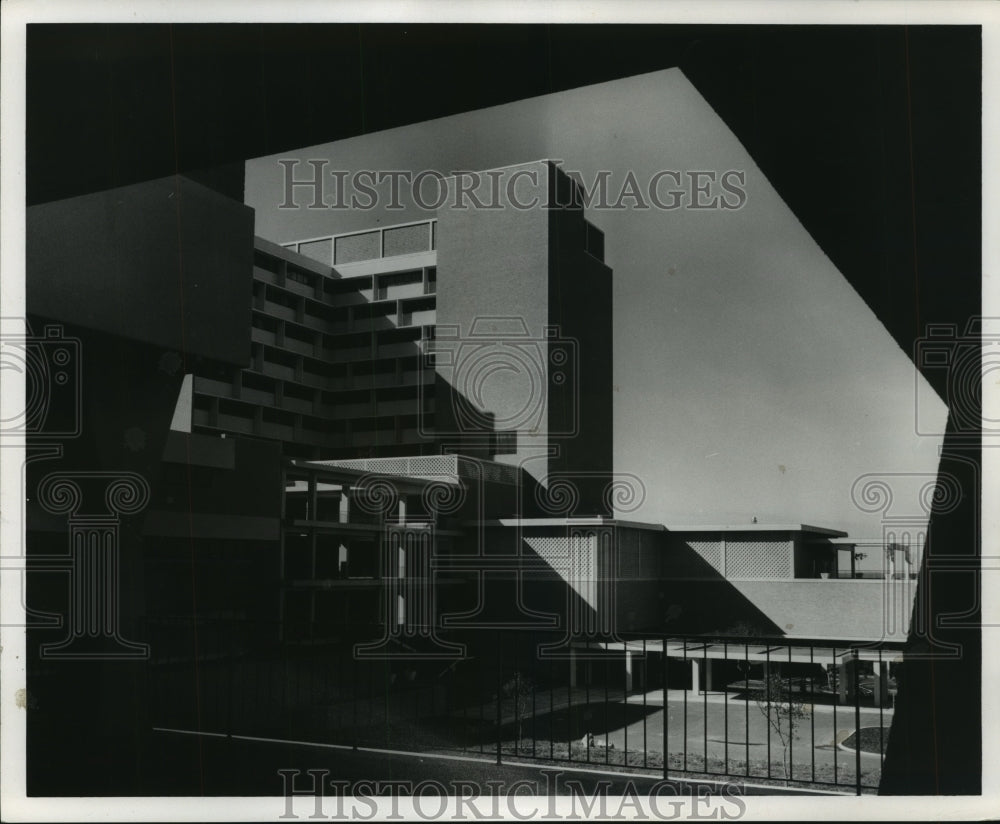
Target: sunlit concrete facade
371	358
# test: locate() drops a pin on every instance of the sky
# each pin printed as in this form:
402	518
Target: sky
751	380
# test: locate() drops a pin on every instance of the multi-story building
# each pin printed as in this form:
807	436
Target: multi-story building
299	408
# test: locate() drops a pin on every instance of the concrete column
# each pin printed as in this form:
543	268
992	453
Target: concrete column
345	507
845	681
695	677
402	509
881	684
628	671
709	679
311	500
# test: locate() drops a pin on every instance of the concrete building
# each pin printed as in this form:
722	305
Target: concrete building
393	432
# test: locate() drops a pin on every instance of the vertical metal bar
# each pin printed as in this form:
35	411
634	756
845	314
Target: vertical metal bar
725	709
552	688
354	693
746	703
587	717
857	721
883	690
645	690
607	722
499	685
342	693
534	708
767	696
387	698
257	701
371	690
791	721
569	709
482	704
704	692
326	685
231	657
690	675
626	663
465	715
812	715
283	710
666	712
516	686
836	703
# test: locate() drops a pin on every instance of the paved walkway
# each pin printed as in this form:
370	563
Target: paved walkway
712	727
185	764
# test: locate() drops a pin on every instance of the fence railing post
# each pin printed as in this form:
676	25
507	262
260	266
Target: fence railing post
857	720
499	713
230	657
666	711
354	698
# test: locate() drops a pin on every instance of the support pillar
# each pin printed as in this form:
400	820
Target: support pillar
695	677
312	509
881	684
845	681
628	671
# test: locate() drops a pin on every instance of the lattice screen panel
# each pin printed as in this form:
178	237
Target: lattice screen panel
710	552
433	465
758	559
554	551
573	559
498	473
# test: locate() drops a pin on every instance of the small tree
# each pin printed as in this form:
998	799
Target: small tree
782	711
518	689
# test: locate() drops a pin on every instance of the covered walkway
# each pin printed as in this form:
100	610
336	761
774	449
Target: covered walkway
702	658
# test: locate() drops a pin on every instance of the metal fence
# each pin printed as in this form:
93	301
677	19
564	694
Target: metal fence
802	713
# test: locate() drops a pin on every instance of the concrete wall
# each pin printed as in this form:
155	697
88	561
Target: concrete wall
581	391
167	262
848	609
492	287
522	276
640	591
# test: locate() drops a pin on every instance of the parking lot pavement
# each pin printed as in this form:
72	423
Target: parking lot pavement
712	727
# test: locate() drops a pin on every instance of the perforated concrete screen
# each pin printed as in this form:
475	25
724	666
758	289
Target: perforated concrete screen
583	567
319	250
710	552
572	558
405	240
353	248
758	559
